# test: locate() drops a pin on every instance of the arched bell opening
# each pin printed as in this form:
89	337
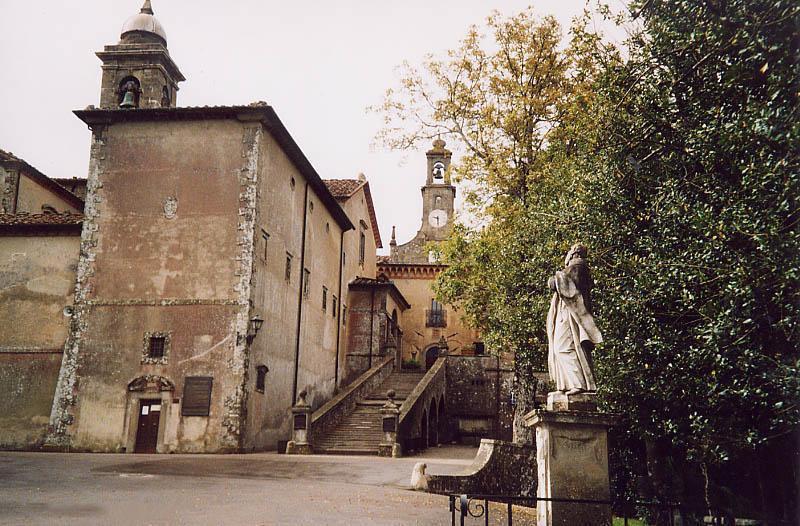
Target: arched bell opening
129	92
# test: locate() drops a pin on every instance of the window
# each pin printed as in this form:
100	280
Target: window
306	280
362	246
310	206
334	306
265	243
344	258
288	271
292	183
324	299
261	377
436	316
344	314
156	347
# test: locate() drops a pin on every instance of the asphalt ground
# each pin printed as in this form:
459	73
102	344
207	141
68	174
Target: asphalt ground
253	489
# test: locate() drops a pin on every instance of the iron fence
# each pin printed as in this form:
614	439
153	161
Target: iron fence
477	506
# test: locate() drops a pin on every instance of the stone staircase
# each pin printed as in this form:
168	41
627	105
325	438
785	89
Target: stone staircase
361	431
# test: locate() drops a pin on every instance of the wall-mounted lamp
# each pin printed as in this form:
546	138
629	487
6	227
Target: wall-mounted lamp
255	325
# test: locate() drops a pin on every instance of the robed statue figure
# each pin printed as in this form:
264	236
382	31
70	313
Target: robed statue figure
571	332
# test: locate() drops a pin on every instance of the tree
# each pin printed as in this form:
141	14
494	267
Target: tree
678	166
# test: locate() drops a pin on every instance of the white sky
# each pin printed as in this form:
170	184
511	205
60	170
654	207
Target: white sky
319	63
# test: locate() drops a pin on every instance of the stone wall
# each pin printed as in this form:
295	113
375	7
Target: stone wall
479	397
37	280
159	254
282	200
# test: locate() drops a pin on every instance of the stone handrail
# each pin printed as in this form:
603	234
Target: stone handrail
499	468
433	374
324	419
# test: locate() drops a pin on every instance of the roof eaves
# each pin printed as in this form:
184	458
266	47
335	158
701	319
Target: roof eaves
255	112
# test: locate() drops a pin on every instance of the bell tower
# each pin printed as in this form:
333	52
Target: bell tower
438	194
138	71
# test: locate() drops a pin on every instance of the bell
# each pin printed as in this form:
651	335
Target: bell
128	101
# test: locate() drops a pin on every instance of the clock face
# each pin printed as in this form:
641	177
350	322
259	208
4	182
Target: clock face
437	218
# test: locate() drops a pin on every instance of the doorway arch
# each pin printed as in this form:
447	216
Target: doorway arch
430	356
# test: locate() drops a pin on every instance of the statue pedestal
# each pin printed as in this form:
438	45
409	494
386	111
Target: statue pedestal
572	463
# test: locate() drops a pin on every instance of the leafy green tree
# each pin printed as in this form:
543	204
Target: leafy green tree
678	167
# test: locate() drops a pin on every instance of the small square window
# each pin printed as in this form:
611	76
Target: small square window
288	271
156	347
324	299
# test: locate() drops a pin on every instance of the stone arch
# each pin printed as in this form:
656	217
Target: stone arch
442	421
434	424
431	354
150	383
424	430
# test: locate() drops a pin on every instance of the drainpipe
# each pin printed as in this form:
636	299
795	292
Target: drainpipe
300	296
339	311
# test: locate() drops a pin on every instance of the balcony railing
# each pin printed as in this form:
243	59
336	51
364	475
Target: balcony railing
435	318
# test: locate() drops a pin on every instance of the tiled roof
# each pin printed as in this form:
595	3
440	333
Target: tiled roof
382	282
8	156
343	188
64	218
41	179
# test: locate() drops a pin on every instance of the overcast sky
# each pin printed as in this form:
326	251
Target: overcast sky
318	63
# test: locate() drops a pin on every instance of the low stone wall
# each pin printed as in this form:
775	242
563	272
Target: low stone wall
499	468
327	417
427	396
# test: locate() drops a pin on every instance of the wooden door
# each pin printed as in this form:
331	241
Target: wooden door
147	427
430	357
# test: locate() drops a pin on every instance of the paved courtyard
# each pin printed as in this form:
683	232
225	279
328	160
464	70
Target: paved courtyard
257	489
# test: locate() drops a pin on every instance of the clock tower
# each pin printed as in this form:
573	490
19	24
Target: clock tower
438	196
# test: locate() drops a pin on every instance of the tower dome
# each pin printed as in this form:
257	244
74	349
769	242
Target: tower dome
144	23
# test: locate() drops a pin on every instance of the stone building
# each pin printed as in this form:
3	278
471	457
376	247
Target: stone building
430	326
204	276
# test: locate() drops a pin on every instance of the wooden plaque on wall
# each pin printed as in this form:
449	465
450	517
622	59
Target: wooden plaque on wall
196	395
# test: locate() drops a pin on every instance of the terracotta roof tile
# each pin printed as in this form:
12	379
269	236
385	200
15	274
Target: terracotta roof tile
64	218
8	156
343	188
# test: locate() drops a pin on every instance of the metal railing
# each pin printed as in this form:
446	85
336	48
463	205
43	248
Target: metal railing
435	318
477	506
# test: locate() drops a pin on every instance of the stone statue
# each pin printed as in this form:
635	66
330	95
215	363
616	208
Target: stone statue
571	332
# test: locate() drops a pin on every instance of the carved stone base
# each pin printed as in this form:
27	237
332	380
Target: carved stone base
558	401
572	463
389	450
295	448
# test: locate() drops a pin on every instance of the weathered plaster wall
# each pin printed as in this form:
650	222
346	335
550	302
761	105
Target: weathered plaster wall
280	215
32	196
479	397
358	212
27	383
416	336
161	252
37	280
